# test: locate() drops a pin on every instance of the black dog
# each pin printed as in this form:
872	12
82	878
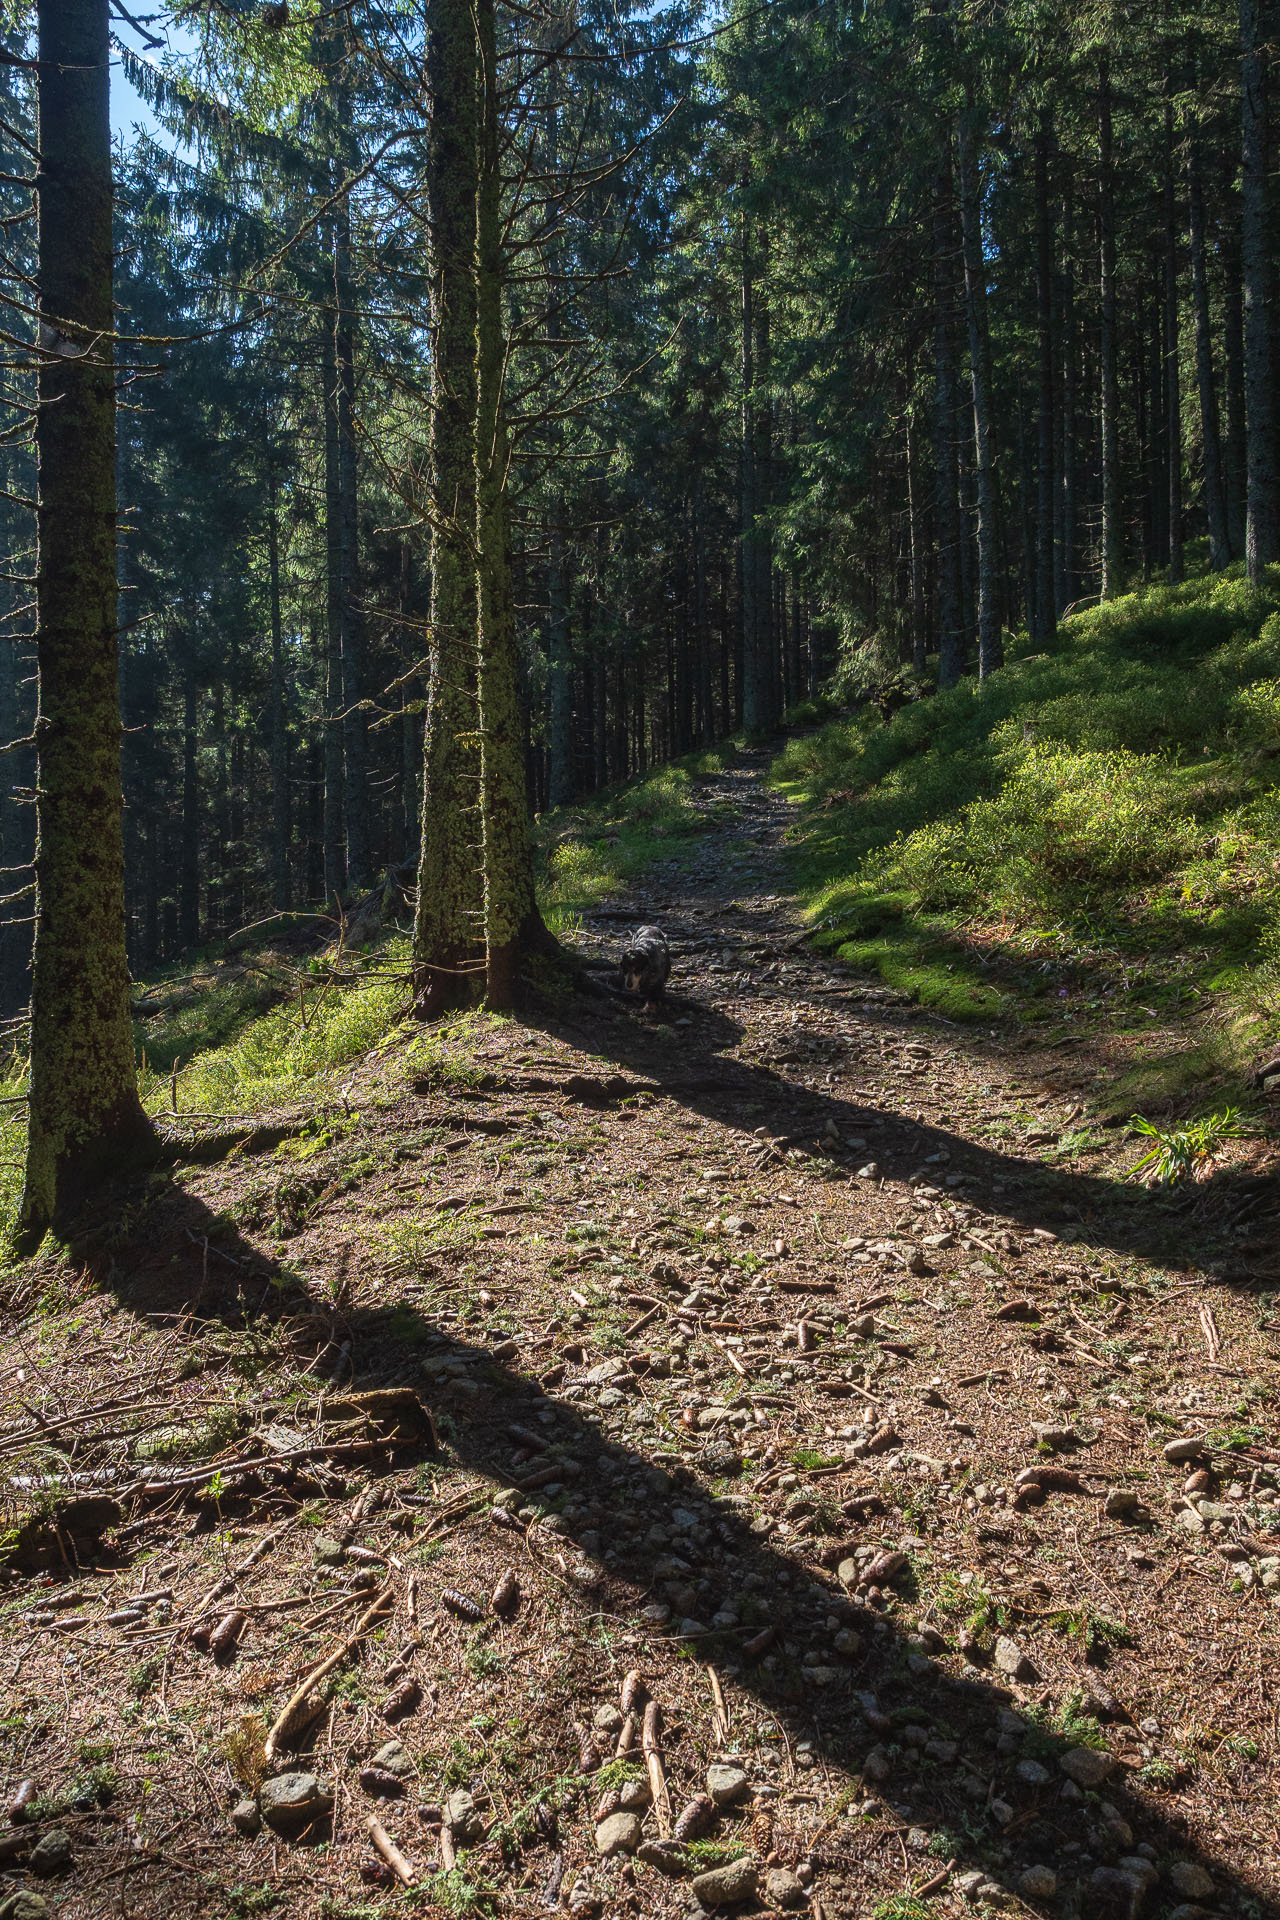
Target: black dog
646	966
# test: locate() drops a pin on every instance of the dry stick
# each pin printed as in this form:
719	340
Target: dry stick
325	1668
720	1715
638	1326
626	1737
391	1853
448	1858
224	1586
649	1732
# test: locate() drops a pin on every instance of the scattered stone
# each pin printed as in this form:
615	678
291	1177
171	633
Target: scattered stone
51	1853
293	1800
727	1785
729	1885
620	1833
462	1817
246	1819
1010	1659
393	1757
1032	1774
1189	1447
1038	1883
1054	1437
1120	1503
24	1905
1088	1766
967	1884
877	1766
663	1855
848	1573
1188	1520
1190	1879
607	1719
782	1889
328	1552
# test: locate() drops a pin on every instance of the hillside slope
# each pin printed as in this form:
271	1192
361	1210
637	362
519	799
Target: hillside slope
1087	844
811	1374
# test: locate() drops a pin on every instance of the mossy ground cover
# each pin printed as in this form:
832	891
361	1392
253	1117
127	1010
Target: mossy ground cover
1090	837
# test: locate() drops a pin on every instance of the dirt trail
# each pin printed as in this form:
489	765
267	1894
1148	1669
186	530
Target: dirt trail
790	1359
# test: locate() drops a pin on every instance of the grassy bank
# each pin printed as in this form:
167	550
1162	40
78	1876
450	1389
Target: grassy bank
1091	836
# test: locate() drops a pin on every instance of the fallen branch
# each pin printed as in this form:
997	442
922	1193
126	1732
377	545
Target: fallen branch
391	1853
326	1667
650	1730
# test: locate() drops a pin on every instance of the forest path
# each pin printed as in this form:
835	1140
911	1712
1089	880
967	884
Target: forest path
775	1379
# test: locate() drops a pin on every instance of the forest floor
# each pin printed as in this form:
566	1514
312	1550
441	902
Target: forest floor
889	1486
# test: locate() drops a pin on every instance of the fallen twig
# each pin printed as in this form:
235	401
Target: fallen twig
325	1668
391	1853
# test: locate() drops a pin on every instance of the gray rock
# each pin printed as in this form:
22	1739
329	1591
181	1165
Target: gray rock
1120	1503
462	1817
877	1765
1189	1447
51	1853
393	1758
636	1796
1056	1438
24	1905
728	1886
293	1800
1216	1510
665	1855
1038	1883
967	1884
246	1819
1088	1766
1010	1659
327	1551
1139	1869
848	1573
607	1719
782	1889
1032	1774
727	1784
620	1833
1188	1878
1188	1520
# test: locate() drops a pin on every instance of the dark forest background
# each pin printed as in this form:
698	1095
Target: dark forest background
844	339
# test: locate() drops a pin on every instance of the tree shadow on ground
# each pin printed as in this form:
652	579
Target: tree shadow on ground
955	1765
694	1067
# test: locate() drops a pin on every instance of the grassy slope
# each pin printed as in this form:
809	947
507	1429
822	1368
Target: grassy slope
1090	838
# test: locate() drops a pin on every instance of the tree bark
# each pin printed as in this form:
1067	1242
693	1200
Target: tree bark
990	642
335	863
1172	369
84	1116
448	923
1214	493
511	917
1108	391
277	729
350	620
946	479
1045	612
1262	530
1235	458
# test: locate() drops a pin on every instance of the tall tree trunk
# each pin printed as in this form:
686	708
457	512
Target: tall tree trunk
1068	457
350	620
1235	458
946	479
1214	493
511	918
84	1114
1172	369
1045	615
919	637
560	782
766	630
277	730
335	863
1108	388
410	722
447	921
1262	528
990	643
754	694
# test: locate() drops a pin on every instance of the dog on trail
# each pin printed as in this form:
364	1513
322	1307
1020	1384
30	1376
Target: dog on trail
646	966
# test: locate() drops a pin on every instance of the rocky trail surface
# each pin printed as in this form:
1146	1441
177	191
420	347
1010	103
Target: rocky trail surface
848	1494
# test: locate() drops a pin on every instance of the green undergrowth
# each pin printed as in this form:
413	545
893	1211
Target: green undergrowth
590	851
1090	837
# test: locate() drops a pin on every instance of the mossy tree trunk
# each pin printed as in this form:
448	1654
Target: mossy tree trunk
447	923
510	914
86	1119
